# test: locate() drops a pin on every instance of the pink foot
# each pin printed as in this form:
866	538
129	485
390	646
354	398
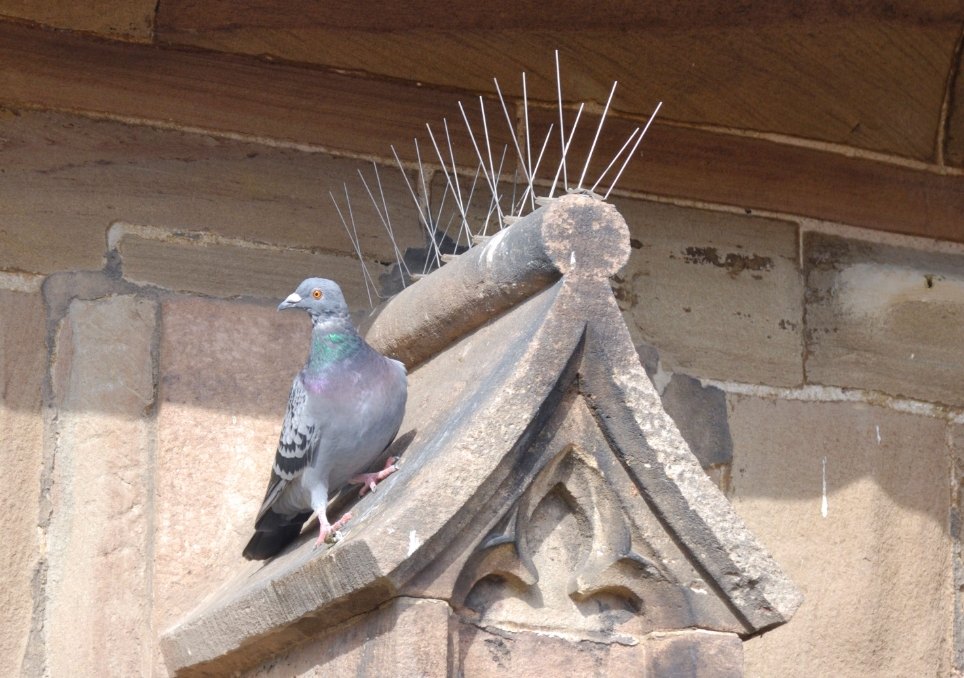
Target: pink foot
368	480
327	532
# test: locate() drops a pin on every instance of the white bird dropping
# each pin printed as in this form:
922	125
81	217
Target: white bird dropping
823	504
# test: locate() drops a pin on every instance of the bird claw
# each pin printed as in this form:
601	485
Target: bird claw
368	481
331	534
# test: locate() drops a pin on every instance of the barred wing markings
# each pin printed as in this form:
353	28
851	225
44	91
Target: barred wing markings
296	447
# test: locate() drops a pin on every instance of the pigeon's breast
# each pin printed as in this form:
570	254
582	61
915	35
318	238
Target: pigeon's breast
360	405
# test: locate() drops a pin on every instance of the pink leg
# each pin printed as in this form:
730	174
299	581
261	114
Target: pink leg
325	531
368	480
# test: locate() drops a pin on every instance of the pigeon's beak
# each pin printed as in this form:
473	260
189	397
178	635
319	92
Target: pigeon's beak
290	302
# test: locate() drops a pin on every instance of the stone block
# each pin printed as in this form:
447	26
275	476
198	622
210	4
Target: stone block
874	561
484	654
405	637
231	270
885	318
113	18
957	537
68	174
687	654
98	598
22	364
719	295
225	372
769	56
694	654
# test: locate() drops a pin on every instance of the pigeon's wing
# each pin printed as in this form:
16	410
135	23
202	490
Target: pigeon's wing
296	448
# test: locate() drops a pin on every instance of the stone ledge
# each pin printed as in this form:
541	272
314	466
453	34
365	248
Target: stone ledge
885	318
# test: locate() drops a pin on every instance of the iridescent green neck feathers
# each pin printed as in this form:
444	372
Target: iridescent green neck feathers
330	346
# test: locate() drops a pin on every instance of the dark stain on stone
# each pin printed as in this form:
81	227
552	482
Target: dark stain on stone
635	244
498	650
624	292
787	325
732	262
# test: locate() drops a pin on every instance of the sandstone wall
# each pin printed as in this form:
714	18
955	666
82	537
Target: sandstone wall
815	369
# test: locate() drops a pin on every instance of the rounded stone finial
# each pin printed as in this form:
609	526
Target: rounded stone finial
585	236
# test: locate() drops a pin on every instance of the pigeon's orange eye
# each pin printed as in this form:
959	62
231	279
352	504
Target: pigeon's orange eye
316	293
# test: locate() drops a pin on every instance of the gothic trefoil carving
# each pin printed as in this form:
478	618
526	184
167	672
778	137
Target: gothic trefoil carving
576	554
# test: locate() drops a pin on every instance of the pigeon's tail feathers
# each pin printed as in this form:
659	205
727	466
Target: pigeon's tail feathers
264	545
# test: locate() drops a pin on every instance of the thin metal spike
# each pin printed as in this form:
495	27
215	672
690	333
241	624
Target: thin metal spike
411	190
391	231
515	183
438	252
562	129
446	232
495	177
596	138
498	198
426	220
565	149
385	221
457	195
468	205
455	175
615	158
545	143
368	274
535	171
353	244
512	132
478	153
525	109
633	152
421	174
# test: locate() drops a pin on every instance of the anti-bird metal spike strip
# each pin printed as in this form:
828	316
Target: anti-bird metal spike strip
487	168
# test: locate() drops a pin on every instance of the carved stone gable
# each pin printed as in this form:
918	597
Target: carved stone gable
581	553
546	508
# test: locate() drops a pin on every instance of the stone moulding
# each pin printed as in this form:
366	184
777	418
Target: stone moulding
531	426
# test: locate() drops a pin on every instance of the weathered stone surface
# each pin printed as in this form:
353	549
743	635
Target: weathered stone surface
580	554
957	543
98	596
625	531
719	295
364	115
954	139
885	318
68	174
113	18
225	372
688	654
876	571
22	363
694	654
406	637
736	53
231	270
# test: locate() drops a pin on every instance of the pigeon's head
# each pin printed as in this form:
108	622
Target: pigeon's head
320	297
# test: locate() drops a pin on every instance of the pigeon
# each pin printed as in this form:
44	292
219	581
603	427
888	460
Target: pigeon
345	408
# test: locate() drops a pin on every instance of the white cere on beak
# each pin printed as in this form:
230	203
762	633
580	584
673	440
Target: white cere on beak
293	298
